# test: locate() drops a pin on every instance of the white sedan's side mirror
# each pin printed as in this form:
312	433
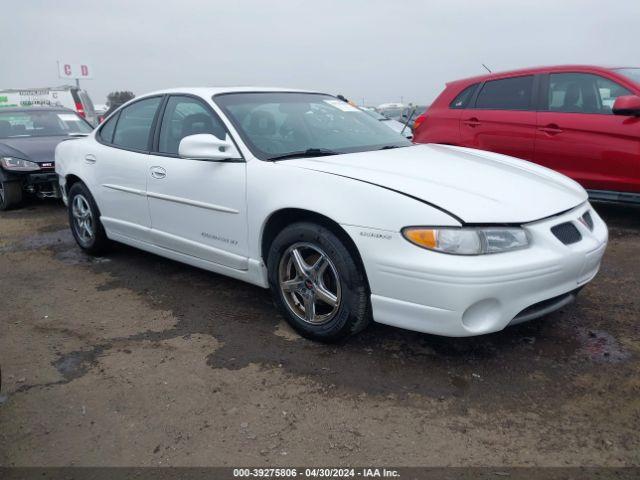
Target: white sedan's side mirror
205	146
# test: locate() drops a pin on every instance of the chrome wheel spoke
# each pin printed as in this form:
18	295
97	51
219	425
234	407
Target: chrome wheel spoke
326	296
320	266
310	307
87	228
292	285
298	262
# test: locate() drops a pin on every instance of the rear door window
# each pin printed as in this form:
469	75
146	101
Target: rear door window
134	124
506	94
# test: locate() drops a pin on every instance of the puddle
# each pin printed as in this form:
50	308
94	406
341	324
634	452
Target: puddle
75	364
75	256
600	346
41	240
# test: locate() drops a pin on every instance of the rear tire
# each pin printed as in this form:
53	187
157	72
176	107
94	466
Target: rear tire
317	284
84	220
10	195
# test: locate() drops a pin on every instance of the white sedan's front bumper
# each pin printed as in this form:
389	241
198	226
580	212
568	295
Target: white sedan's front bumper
454	295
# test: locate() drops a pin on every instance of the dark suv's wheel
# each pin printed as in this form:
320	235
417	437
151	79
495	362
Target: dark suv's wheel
84	219
316	282
10	194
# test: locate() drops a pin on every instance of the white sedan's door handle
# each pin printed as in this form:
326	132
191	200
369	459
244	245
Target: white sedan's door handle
158	172
89	158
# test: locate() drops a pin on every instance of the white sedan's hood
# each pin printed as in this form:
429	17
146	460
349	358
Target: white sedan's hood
473	185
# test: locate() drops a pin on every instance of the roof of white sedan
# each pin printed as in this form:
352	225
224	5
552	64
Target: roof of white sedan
210	91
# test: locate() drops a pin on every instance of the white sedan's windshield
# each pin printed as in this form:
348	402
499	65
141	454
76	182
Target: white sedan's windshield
282	124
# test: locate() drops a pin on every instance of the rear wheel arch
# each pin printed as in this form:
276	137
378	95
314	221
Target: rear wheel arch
280	219
72	179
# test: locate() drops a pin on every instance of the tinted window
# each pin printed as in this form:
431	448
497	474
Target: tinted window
507	94
106	132
582	93
462	100
184	116
134	124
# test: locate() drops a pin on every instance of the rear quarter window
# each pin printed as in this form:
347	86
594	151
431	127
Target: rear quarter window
464	97
106	132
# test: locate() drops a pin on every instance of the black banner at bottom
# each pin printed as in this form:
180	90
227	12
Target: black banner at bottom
404	473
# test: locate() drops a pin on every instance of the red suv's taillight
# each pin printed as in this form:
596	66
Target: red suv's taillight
418	121
80	109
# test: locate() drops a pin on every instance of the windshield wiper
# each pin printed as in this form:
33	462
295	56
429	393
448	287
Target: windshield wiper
309	152
78	134
389	147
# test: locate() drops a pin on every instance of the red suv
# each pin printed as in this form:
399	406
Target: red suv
582	121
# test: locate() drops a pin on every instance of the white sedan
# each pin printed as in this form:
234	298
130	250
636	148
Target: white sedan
343	219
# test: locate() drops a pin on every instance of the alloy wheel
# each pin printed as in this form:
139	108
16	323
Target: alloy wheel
309	283
83	223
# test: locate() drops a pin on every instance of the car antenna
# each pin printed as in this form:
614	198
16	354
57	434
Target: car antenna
487	68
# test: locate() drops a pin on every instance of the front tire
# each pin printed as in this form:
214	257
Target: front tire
84	220
317	284
10	195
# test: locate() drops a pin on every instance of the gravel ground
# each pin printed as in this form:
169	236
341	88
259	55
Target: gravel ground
132	359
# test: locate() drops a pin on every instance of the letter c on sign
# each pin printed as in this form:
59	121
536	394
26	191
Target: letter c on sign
84	70
67	69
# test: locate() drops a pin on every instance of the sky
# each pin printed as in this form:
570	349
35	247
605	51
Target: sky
371	51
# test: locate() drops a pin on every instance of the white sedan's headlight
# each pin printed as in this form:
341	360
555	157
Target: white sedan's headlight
468	241
18	164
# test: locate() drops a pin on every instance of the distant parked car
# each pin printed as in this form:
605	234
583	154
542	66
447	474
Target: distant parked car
391	110
583	121
28	138
411	112
389	122
66	96
101	111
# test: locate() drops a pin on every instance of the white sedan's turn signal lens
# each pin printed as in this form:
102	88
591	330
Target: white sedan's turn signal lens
468	241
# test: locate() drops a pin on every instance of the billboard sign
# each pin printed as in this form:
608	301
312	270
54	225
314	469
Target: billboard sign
74	70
